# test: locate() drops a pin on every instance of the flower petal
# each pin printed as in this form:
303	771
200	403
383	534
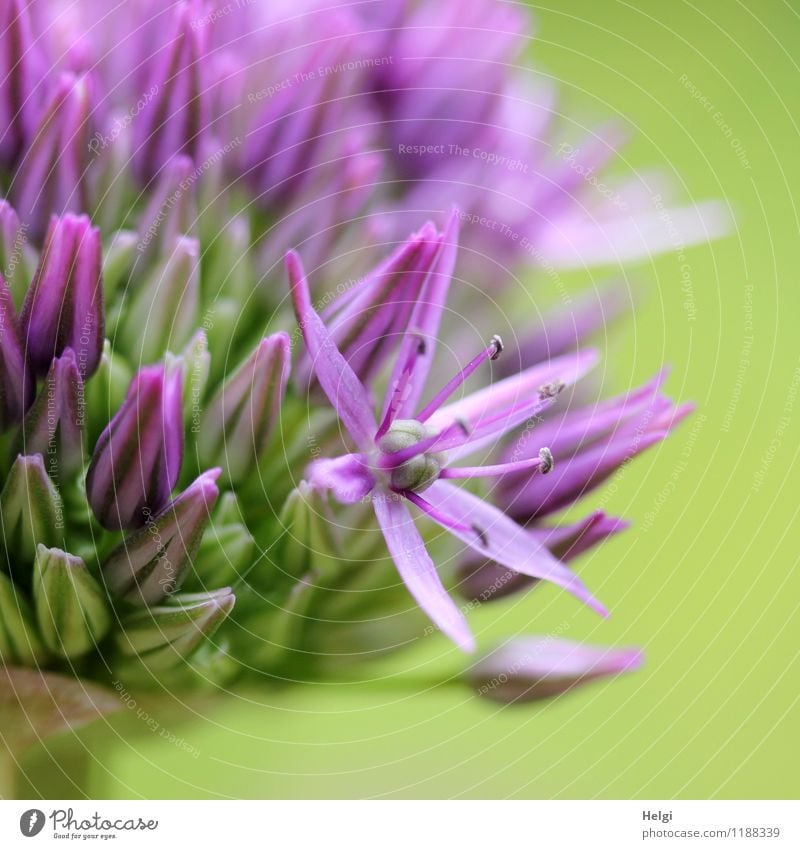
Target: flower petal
537	667
344	390
347	477
417	570
501	539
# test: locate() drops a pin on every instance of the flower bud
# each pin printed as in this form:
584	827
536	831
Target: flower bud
235	280
162	314
171	211
236	427
196	361
528	669
224	556
19	642
51	178
137	459
21	70
178	119
222	321
30	508
55	423
163	636
311	541
16	378
153	562
368	318
64	305
17	258
119	259
106	391
71	608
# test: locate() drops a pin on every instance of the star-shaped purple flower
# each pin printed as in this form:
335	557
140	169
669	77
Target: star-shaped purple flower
405	456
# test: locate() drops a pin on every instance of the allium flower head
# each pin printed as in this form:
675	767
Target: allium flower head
160	516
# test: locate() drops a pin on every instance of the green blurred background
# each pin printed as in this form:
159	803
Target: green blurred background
706	580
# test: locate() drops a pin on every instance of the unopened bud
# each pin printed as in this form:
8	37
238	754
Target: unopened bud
163	636
71	607
153	562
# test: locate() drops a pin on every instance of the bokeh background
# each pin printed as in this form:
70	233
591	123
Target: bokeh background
707	578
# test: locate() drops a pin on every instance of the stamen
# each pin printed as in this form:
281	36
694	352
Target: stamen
437	515
399	390
482	535
491	352
543	463
551	390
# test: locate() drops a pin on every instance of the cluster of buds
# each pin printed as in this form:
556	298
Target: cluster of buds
159	464
97	544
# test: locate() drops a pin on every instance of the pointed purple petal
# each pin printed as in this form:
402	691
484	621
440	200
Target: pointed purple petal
347	477
538	667
501	539
417	570
344	390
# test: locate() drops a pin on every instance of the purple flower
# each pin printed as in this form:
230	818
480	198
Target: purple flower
463	123
137	459
64	305
176	122
401	458
532	668
16	378
51	176
21	70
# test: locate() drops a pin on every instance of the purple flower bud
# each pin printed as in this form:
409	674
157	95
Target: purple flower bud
153	562
51	175
64	305
16	260
21	69
528	669
299	129
54	425
16	378
137	459
367	320
178	119
241	416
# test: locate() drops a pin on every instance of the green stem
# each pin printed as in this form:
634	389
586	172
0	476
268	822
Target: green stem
57	768
8	774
